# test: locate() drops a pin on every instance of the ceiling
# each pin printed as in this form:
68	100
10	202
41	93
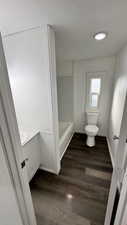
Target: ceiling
75	22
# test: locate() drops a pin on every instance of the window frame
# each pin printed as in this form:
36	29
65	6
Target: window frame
89	77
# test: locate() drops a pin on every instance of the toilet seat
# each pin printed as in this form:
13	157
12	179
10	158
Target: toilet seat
91	128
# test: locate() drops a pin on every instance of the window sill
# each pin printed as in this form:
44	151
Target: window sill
92	110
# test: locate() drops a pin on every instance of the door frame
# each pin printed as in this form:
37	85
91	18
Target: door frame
123	218
13	153
122	166
119	173
122	205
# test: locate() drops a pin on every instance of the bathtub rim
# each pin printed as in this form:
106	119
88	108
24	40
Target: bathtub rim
69	130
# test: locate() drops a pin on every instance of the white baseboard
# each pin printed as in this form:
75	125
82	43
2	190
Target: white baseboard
47	169
110	151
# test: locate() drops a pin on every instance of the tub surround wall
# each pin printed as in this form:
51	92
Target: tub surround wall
30	59
65	106
65	92
119	95
65	98
78	70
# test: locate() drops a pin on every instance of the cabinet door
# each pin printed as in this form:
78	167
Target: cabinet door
31	152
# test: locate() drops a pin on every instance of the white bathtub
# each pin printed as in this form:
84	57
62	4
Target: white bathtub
66	131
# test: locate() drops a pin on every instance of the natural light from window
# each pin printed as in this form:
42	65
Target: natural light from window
95	86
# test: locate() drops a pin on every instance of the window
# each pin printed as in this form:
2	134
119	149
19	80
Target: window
94	83
95	86
94	100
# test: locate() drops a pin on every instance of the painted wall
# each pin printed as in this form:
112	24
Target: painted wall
119	94
28	56
25	53
79	69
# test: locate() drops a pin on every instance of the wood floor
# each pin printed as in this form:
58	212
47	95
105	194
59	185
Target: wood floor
78	196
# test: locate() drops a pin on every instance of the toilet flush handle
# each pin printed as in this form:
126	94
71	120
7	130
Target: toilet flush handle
115	137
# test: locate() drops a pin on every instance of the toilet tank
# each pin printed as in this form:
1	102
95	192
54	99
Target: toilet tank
92	118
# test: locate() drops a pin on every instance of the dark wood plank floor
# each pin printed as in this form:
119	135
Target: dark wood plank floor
78	196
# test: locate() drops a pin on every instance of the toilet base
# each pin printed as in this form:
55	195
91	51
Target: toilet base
90	141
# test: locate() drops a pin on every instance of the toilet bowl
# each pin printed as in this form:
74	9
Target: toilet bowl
91	128
91	131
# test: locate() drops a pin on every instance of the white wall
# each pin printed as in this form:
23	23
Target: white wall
27	60
120	89
79	69
28	56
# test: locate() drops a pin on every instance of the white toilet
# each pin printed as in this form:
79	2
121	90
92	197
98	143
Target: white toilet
91	129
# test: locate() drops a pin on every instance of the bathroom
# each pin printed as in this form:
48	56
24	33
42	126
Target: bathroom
49	118
64	107
73	111
69	113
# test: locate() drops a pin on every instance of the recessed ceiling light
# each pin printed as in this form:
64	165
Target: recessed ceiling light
69	196
100	36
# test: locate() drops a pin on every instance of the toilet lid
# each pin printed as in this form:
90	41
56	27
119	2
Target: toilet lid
93	128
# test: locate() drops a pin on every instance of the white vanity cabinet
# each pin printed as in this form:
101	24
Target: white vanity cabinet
31	153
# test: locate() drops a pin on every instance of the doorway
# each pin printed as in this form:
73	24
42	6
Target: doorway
71	193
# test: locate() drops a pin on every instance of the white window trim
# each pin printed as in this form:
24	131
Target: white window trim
89	76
